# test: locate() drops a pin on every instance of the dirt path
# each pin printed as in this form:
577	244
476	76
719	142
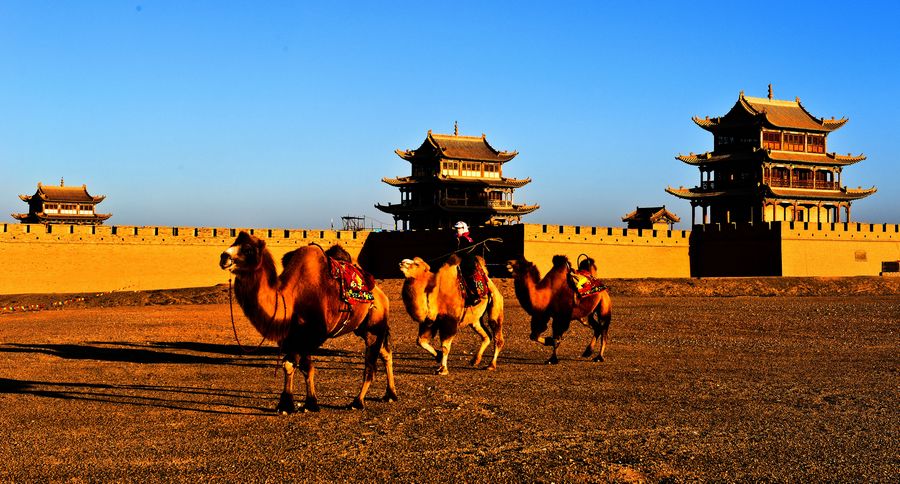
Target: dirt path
740	388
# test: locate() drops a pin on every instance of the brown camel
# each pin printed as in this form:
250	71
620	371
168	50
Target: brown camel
434	300
302	307
553	298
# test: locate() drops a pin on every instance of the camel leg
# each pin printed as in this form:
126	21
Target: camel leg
286	401
309	372
373	343
538	326
496	324
445	353
426	334
387	355
447	331
603	331
559	328
485	342
595	327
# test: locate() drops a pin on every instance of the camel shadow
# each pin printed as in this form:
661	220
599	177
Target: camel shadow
115	352
159	396
160	352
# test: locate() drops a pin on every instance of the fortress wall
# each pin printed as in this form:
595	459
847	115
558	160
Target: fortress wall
64	258
842	249
619	252
70	258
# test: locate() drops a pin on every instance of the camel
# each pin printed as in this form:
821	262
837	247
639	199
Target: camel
302	307
553	298
435	302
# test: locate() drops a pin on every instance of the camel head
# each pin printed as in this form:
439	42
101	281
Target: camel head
520	267
587	264
245	254
560	261
414	268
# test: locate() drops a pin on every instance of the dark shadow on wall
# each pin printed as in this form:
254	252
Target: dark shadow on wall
382	252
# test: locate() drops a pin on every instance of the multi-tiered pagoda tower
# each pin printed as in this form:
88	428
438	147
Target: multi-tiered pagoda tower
770	163
455	178
62	205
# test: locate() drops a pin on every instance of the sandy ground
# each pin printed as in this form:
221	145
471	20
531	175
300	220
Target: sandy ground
782	388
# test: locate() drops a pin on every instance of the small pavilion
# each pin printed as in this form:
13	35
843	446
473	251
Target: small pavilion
62	205
655	218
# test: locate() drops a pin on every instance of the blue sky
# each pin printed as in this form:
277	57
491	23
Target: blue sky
287	114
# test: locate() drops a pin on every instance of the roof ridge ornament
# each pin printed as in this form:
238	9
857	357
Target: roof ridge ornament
770	90
62	182
455	128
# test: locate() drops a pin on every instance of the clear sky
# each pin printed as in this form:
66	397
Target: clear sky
287	114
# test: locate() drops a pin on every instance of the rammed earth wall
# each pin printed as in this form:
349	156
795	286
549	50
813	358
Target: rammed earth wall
64	259
68	258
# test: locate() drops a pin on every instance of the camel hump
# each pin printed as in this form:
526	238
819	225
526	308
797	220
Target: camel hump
560	260
587	265
286	258
339	253
453	260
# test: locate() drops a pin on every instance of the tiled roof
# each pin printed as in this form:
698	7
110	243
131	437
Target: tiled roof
487	182
63	194
760	155
842	194
455	147
775	112
821	158
651	214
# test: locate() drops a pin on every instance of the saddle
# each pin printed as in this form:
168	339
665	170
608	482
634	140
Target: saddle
584	283
356	285
473	290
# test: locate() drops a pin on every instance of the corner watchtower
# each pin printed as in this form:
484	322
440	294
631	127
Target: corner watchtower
770	162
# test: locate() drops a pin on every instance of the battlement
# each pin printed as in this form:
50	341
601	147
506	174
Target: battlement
85	258
605	235
811	230
172	235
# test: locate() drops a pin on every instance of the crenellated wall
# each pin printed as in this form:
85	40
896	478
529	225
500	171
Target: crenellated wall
73	258
68	258
844	249
793	249
619	252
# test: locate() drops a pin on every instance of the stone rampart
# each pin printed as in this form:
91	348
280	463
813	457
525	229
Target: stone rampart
793	249
65	258
619	252
842	249
72	258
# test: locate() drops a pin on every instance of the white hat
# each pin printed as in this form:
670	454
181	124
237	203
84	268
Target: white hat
461	226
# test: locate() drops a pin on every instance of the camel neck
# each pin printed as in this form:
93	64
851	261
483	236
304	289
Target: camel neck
260	297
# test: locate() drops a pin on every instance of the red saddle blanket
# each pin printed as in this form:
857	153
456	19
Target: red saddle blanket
356	284
475	289
585	284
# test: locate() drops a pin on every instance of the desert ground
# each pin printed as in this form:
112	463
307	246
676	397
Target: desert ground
729	380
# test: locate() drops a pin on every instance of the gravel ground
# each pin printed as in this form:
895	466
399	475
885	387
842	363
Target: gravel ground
694	388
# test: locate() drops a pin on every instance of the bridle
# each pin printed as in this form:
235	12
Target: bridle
234	327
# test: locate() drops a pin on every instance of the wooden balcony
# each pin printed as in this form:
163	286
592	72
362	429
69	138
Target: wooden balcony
805	184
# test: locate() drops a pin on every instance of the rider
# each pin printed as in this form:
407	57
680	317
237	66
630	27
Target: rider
465	249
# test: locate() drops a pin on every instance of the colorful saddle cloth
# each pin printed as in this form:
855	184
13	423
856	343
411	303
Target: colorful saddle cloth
474	290
356	284
585	284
